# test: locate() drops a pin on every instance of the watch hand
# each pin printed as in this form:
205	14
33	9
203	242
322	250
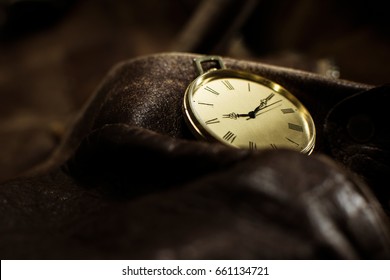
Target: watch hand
234	115
263	103
259	113
252	114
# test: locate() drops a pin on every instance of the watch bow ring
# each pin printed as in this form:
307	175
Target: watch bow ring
244	110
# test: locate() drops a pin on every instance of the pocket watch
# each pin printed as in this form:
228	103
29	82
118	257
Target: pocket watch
244	110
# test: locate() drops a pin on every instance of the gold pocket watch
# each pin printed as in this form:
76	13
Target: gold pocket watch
244	110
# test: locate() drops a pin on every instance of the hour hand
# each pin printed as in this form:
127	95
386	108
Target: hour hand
234	116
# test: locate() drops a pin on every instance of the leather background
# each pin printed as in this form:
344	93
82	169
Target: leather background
129	181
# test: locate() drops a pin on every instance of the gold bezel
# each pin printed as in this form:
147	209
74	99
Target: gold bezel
201	132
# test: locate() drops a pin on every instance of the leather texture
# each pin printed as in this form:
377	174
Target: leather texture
359	137
130	182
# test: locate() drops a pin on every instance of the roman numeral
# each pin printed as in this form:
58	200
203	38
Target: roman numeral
295	127
252	145
212	121
228	84
287	110
229	136
273	146
249	87
207	104
211	90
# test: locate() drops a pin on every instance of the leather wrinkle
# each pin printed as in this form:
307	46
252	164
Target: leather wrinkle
130	182
359	137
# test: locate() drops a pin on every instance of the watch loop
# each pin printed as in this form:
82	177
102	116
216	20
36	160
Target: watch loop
213	63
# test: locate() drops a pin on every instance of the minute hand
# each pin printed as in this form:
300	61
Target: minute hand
258	111
263	103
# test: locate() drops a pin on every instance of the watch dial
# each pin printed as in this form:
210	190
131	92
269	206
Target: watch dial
249	113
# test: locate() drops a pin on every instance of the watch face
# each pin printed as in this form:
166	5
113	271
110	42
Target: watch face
247	111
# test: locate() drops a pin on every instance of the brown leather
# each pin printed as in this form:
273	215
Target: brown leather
358	136
129	181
